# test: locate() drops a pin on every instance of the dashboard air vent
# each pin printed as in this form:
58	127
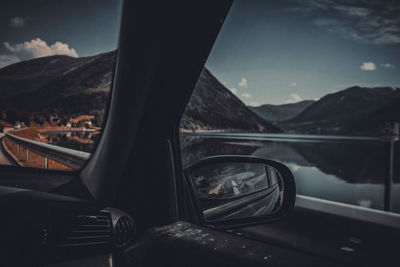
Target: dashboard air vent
124	231
91	229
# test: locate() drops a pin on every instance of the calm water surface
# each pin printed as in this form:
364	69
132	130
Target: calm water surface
78	140
343	169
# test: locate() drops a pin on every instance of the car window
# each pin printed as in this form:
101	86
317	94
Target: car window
314	85
57	61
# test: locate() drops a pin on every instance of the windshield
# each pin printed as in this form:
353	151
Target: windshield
57	61
314	85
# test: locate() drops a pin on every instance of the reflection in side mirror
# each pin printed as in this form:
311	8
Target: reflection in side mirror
229	189
236	190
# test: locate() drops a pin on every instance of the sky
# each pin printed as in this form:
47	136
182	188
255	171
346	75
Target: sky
31	29
285	51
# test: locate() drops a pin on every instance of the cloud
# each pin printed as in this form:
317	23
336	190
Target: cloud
293	84
293	98
368	66
243	83
310	5
17	22
353	11
246	95
387	66
234	90
34	49
375	22
39	48
254	104
6	60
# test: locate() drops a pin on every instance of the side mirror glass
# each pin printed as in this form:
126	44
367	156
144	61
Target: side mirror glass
235	191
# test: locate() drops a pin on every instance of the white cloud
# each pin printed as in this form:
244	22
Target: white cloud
246	95
254	104
17	22
294	98
293	84
39	48
234	90
387	66
367	66
243	83
6	60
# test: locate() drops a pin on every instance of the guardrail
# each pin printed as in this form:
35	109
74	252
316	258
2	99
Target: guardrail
283	137
66	156
349	211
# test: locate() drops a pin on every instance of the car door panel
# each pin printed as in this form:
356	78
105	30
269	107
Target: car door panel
186	244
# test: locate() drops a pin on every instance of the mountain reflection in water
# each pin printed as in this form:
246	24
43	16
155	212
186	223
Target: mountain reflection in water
78	140
344	170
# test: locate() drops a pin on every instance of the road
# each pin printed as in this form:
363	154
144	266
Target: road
3	157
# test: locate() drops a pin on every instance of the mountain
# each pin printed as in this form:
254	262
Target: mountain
62	85
281	112
353	111
213	106
31	91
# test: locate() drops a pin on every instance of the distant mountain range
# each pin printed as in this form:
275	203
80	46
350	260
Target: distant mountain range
213	106
353	111
32	90
357	111
283	112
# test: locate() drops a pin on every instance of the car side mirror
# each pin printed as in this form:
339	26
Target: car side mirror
237	191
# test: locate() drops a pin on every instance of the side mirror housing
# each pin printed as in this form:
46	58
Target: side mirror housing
237	191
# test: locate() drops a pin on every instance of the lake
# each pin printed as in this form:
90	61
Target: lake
351	170
78	140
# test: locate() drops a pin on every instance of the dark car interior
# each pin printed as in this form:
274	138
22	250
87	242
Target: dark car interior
132	203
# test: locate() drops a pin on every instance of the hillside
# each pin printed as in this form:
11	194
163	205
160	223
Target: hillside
281	112
31	90
67	88
353	111
212	106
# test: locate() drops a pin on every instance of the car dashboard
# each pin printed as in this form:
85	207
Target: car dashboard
44	229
